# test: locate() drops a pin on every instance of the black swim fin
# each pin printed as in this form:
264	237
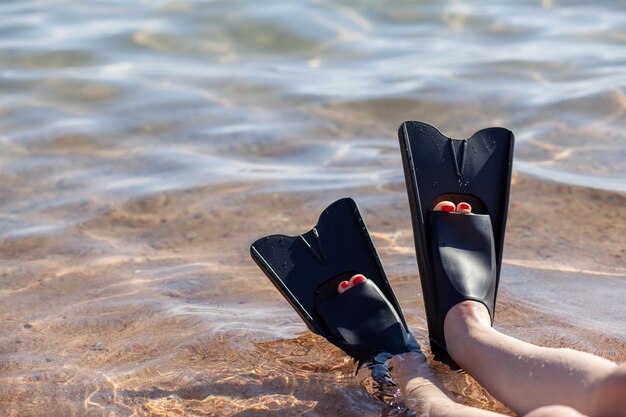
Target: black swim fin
307	269
459	256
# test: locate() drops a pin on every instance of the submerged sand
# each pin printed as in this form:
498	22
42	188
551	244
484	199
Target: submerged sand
146	145
183	321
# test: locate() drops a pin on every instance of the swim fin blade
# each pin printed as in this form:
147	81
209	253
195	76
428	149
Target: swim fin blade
459	256
307	270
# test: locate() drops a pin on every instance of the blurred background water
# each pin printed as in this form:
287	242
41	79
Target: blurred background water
145	144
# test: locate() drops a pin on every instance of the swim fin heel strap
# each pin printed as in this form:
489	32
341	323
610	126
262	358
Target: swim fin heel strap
307	269
459	256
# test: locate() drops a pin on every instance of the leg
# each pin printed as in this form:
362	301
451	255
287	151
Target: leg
423	393
523	376
609	400
426	396
554	411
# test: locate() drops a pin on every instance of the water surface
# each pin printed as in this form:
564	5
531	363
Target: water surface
146	144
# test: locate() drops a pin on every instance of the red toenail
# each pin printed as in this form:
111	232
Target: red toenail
447	208
357	279
344	284
464	206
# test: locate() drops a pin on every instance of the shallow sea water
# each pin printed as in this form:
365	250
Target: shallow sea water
146	144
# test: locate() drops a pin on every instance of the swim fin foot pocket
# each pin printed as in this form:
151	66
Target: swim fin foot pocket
365	320
463	262
459	256
307	269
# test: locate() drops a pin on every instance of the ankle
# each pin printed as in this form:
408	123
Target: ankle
463	323
469	313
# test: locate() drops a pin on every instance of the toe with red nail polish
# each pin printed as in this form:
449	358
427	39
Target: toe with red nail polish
344	286
464	208
447	206
357	279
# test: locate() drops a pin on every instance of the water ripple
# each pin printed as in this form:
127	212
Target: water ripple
146	144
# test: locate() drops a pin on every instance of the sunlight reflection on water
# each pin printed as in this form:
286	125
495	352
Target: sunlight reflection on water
146	144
